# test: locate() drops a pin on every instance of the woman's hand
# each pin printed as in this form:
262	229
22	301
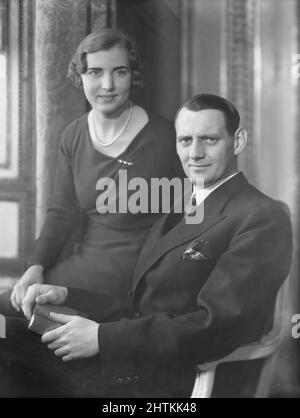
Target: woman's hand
43	293
34	274
78	338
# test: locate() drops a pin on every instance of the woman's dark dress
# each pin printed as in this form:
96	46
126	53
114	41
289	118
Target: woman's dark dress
108	254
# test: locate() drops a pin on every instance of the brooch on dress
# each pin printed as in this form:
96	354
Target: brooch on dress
124	162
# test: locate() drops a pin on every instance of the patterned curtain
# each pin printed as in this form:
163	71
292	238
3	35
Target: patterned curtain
239	24
59	27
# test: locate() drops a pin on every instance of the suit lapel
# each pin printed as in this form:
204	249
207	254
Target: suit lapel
177	236
159	243
154	236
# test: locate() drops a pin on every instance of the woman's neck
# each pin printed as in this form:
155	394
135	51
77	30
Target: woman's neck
108	125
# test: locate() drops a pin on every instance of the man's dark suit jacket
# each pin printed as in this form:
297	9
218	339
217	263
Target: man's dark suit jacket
192	309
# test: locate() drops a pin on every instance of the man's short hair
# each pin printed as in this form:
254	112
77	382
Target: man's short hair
211	101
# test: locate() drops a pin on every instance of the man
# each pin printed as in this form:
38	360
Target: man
200	290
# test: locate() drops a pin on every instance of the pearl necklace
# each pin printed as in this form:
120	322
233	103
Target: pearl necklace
123	127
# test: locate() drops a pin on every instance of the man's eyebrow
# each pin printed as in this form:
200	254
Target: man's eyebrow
183	136
209	135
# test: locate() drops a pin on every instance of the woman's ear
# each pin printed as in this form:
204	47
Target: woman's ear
240	140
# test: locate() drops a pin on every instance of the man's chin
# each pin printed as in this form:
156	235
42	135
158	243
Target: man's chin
198	178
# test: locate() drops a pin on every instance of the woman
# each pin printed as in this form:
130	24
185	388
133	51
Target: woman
116	138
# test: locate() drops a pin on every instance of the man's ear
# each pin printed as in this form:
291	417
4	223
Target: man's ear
240	140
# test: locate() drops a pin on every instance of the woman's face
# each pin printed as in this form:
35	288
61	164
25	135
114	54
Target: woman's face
107	80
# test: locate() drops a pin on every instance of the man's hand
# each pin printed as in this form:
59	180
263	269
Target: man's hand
78	338
34	274
43	293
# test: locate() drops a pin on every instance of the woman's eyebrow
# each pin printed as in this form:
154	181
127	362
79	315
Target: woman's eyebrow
121	66
115	68
94	68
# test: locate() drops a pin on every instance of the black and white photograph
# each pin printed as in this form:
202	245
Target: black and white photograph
149	201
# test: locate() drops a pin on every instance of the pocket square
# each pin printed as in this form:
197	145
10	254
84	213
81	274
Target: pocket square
197	250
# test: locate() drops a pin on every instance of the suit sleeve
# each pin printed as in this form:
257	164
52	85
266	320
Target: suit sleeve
62	215
98	306
232	307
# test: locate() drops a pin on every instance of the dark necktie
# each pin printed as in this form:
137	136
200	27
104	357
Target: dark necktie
190	208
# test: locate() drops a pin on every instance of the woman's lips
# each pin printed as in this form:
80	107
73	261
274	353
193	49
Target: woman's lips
107	98
199	165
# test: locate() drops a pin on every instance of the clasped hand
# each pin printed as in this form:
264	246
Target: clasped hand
42	293
77	338
33	275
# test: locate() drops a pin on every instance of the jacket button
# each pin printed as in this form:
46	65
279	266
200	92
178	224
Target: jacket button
120	379
128	378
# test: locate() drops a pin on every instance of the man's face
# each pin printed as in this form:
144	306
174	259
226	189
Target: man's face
204	146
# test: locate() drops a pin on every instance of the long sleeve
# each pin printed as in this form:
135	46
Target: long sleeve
99	307
62	215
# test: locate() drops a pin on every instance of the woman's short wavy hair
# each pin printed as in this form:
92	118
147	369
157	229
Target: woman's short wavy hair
103	40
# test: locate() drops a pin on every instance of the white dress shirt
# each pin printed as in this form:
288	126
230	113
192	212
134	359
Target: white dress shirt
202	193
